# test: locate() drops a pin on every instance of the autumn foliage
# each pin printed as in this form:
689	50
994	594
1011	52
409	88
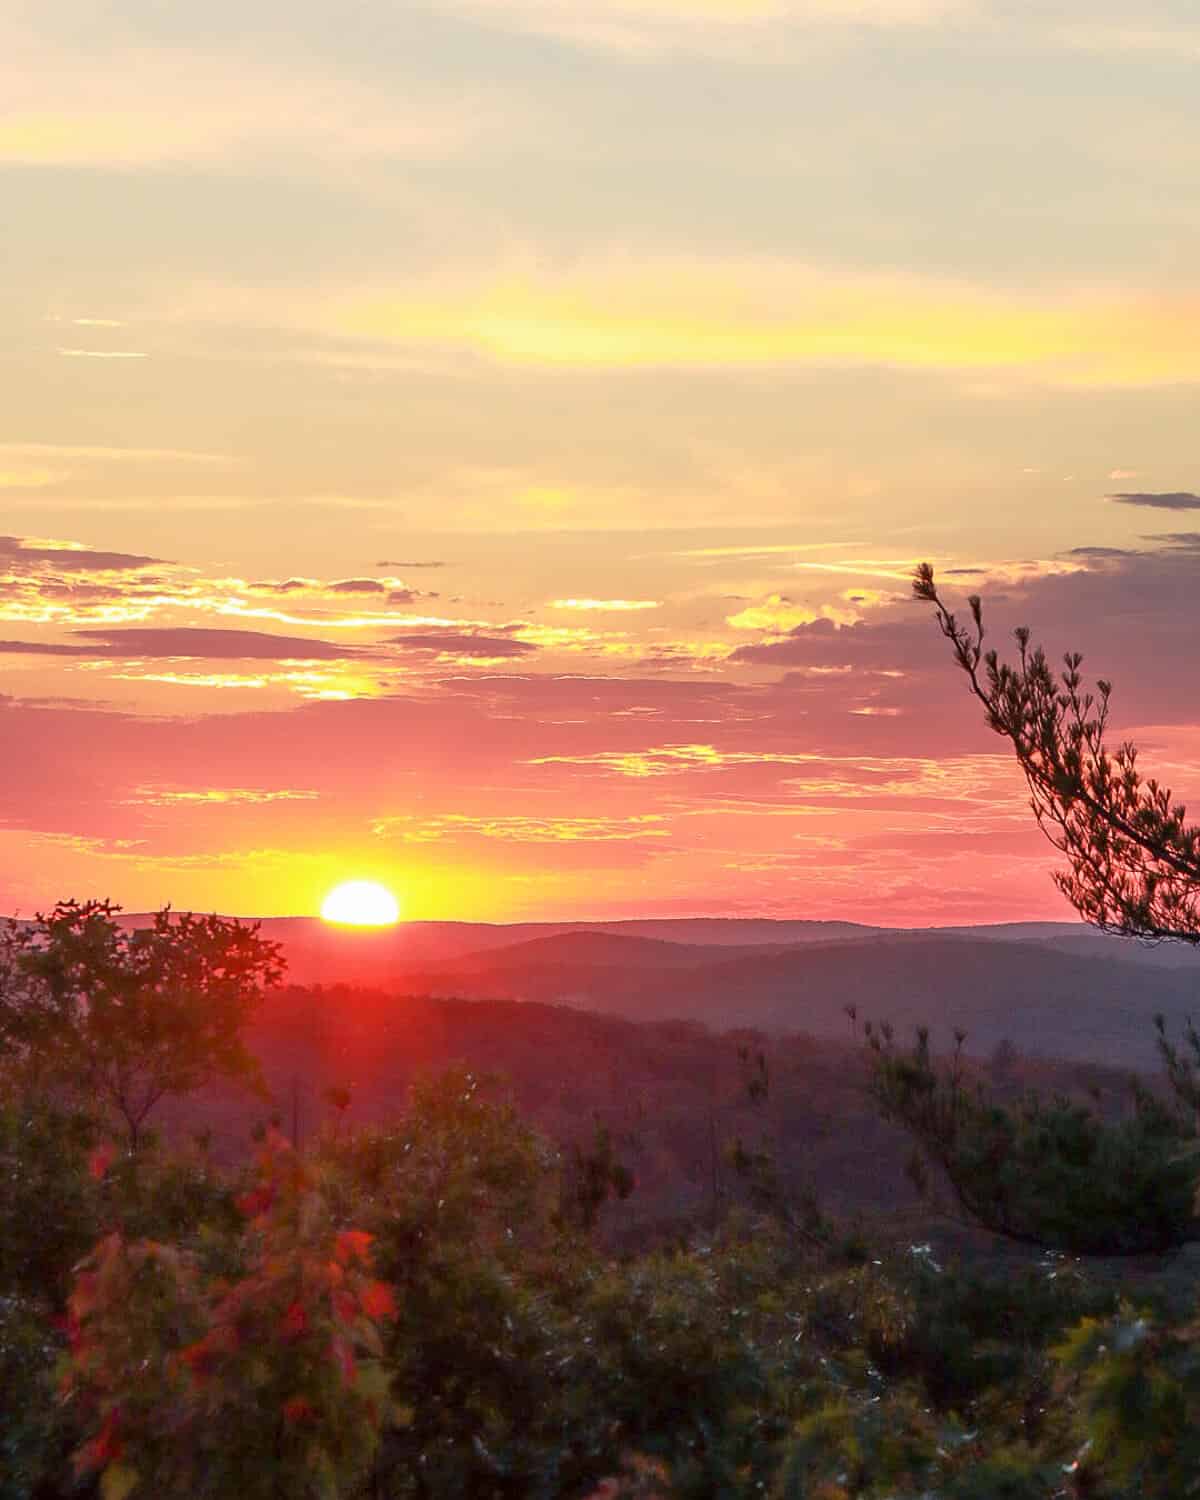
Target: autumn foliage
266	1373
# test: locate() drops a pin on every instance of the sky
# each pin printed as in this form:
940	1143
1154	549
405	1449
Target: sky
483	445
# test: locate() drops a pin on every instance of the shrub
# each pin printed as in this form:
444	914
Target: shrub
268	1384
1049	1174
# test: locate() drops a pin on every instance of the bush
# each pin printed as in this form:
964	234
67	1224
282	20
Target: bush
49	1206
268	1384
1054	1175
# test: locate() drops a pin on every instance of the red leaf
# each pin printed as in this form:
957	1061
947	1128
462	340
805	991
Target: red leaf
294	1322
256	1203
298	1409
379	1301
100	1160
345	1308
353	1244
102	1449
198	1358
84	1295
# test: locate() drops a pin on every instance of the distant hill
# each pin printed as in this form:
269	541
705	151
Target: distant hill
673	1093
1054	989
607	949
1046	1002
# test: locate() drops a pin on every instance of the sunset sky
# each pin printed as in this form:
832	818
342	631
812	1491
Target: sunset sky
482	445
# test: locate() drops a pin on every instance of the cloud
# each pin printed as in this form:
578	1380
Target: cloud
387	590
1184	540
1169	500
750	29
459	643
613	605
1088	552
129	107
777	614
43	648
30	477
525	829
315	586
893	645
100	353
387	564
357	586
191	643
71	452
24	554
671	760
240	796
690	312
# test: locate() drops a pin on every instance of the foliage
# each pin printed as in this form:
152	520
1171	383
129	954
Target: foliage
34	1439
426	1311
1139	1388
595	1175
128	1015
487	1353
48	1202
266	1384
1133	859
1053	1174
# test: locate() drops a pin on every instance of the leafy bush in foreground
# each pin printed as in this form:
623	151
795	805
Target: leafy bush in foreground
406	1313
267	1384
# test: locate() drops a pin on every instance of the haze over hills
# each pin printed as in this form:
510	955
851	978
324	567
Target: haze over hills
1058	990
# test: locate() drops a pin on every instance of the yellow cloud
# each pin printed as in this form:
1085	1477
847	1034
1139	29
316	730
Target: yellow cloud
330	686
668	760
150	796
778	614
625	313
30	478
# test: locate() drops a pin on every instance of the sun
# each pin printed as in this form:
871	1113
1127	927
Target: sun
361	903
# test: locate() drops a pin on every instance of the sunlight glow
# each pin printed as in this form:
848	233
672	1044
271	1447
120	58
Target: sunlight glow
361	903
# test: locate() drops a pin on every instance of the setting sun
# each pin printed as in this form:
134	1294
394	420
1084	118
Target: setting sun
361	903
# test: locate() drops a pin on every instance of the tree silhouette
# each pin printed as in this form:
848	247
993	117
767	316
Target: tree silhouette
1133	859
125	1016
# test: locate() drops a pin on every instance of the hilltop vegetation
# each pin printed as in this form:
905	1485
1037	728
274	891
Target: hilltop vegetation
672	1298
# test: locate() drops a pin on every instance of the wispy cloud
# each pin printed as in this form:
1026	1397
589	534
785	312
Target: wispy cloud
646	28
79	452
143	106
103	353
1170	500
602	605
237	796
622	313
525	829
458	644
192	643
23	554
670	760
